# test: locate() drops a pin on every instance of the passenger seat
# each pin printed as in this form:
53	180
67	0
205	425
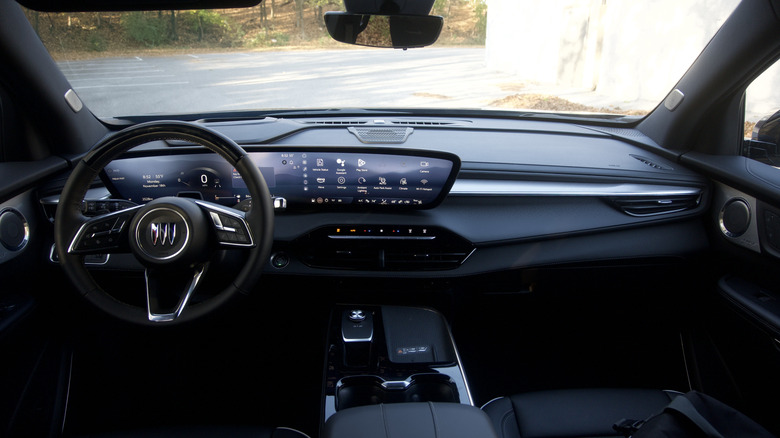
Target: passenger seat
573	412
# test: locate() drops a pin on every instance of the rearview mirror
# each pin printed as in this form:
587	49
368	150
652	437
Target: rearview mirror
397	31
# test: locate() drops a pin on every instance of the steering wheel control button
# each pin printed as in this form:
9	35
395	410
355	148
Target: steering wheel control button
98	207
231	229
14	231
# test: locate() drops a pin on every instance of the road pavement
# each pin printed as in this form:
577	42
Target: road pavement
354	78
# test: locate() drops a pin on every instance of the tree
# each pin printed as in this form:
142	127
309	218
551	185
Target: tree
299	21
174	32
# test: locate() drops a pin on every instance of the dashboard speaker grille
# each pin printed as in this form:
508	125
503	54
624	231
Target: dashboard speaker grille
371	135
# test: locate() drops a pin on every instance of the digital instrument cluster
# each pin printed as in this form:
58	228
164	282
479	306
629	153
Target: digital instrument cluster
302	177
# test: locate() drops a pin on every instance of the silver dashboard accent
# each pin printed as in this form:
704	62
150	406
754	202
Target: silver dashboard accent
468	187
338	237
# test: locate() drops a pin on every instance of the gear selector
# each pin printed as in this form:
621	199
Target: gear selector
357	332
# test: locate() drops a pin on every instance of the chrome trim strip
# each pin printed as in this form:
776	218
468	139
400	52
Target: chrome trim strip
166	317
337	237
468	187
470	254
67	394
460	366
397	385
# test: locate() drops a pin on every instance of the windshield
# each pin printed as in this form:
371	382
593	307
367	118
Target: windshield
573	57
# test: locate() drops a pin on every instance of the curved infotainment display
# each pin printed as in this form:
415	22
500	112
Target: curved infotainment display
302	177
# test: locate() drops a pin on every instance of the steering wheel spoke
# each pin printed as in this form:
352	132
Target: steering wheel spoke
105	234
163	302
230	226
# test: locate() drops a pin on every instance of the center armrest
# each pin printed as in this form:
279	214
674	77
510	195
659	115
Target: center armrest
410	420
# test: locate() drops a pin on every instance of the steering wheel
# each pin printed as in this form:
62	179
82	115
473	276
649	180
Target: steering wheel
174	238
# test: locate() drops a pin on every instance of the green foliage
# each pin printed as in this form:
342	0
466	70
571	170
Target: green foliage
96	43
480	27
211	26
146	28
270	39
439	7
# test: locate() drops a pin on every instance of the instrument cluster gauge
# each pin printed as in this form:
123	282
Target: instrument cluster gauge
208	182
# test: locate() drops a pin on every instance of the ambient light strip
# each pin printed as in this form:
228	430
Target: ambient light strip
542	188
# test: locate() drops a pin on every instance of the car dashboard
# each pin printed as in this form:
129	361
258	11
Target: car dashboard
430	197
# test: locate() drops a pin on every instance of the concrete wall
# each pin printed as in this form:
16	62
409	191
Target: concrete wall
593	44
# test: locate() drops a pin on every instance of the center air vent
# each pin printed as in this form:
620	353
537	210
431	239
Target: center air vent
383	248
656	205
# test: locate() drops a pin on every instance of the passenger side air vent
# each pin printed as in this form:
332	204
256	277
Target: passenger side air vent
656	205
383	248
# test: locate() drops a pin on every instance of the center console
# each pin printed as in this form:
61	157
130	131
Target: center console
391	359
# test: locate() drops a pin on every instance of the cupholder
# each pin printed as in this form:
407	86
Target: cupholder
371	390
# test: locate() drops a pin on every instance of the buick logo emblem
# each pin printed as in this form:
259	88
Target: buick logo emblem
163	233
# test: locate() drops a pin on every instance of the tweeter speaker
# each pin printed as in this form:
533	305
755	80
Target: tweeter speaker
734	218
14	231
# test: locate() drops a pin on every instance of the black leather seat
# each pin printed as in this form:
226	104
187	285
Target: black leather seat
574	412
206	432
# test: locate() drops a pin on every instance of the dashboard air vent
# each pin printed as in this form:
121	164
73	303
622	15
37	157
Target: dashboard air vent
656	205
383	248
